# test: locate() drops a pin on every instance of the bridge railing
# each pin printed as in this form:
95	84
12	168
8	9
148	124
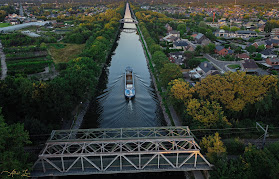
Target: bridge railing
119	133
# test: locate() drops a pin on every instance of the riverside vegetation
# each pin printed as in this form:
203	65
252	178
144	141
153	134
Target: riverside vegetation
43	105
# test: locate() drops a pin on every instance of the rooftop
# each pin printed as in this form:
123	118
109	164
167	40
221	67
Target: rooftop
247	64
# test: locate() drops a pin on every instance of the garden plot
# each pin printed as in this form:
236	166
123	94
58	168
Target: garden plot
27	60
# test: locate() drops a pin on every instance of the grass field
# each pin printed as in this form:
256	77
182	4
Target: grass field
64	54
234	66
4	24
201	59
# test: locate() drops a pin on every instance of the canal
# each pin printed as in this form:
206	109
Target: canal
110	109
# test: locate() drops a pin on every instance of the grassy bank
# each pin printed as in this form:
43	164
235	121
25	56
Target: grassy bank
65	52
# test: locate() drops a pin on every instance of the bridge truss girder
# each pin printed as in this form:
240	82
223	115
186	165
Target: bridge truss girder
176	152
128	20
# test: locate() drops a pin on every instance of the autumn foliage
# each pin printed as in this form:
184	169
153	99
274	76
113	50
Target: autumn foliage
206	101
235	90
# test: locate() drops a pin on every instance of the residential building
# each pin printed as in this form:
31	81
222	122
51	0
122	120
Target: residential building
221	50
275	32
259	43
268	53
168	27
243	56
245	34
272	61
175	33
177	58
199	38
222	33
249	66
203	70
180	44
170	38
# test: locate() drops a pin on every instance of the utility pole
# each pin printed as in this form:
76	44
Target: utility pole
265	133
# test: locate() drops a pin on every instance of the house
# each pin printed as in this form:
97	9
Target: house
168	27
170	38
199	38
222	33
175	33
245	34
177	58
261	28
259	43
191	48
203	70
275	32
249	66
262	22
275	42
180	44
272	61
205	42
243	56
268	53
213	24
269	44
207	68
276	67
221	50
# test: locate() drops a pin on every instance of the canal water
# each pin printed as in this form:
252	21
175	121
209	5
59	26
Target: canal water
110	109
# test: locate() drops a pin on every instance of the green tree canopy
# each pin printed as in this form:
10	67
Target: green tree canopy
12	140
169	72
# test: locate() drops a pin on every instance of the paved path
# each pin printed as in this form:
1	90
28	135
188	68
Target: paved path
220	64
3	63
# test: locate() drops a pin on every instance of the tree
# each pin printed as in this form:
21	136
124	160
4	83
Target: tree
260	163
181	28
260	48
169	72
198	50
159	58
203	24
193	63
251	48
188	54
213	146
180	90
12	140
207	114
211	48
155	47
235	90
234	28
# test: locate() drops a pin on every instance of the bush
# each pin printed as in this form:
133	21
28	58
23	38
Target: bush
234	146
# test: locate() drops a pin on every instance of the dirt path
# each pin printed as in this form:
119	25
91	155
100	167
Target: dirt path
4	68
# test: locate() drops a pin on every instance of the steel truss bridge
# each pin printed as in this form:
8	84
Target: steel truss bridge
127	17
119	150
128	20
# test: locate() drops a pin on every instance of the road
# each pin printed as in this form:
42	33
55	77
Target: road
3	63
220	64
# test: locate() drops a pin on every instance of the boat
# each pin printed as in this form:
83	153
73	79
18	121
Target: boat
130	91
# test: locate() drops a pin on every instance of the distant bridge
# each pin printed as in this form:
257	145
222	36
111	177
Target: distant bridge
127	17
119	150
